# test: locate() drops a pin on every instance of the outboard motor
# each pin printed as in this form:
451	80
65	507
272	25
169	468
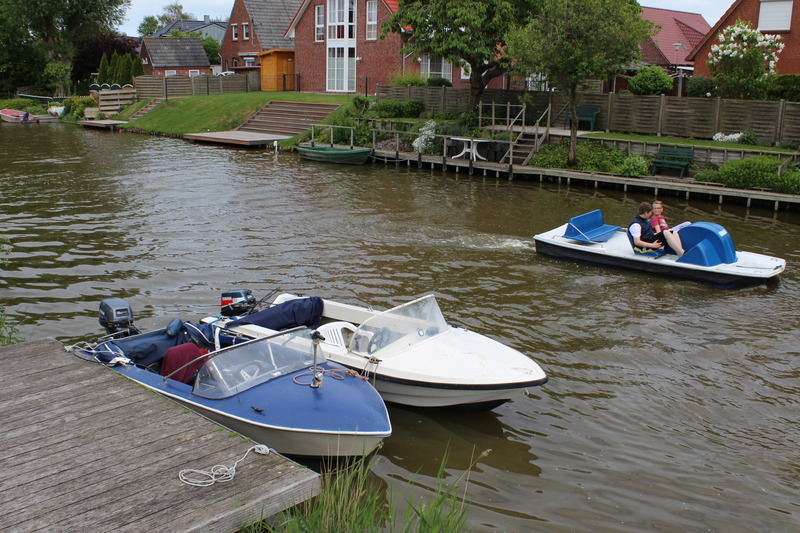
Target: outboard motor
116	317
237	303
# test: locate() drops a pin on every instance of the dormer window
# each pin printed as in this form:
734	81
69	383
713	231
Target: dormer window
234	32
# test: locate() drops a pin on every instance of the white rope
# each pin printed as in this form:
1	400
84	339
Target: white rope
218	473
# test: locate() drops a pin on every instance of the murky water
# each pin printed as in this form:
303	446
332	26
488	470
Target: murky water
671	406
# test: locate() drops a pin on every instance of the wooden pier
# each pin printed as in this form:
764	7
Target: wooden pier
85	449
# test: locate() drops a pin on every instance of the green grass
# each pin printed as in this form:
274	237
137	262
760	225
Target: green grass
217	112
681	140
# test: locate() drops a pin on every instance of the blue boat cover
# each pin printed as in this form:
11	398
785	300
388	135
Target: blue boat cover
290	314
147	348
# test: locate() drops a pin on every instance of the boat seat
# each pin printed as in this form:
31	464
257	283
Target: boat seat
334	333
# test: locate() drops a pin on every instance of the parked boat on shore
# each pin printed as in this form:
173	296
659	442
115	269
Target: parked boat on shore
710	254
15	115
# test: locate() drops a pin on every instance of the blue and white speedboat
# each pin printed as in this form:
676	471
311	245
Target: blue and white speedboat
279	390
710	254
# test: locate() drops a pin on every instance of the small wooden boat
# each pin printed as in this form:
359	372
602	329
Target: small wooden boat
15	115
710	254
333	154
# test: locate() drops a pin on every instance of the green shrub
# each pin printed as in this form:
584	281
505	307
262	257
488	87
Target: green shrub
74	106
397	109
439	82
591	157
409	79
361	104
635	165
651	80
700	87
785	87
749	138
760	172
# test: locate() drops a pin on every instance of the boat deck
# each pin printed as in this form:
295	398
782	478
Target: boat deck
86	449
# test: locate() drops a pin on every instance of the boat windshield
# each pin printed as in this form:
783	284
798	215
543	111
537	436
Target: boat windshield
243	366
400	327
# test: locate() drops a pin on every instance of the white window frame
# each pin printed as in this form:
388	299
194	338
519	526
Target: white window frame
372	20
234	32
319	23
170	73
249	61
341	19
193	73
775	15
341	69
245	31
442	70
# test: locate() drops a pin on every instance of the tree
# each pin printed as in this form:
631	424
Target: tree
171	12
651	80
570	41
103	71
58	26
149	26
20	58
743	62
470	35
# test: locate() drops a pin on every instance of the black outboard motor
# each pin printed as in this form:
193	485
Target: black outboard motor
237	303
116	317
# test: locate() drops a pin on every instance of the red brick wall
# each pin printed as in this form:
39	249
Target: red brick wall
380	60
788	59
178	71
230	49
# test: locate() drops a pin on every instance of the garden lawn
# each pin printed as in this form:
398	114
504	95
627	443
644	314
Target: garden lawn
681	140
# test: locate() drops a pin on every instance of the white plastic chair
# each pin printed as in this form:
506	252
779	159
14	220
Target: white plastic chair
334	333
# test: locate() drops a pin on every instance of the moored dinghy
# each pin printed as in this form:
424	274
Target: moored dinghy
277	390
413	356
710	254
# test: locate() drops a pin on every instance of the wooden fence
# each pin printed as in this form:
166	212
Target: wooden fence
645	115
175	86
113	100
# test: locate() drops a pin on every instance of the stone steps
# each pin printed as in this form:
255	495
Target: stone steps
287	118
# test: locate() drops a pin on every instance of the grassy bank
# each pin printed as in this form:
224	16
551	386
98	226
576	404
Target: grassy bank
216	112
684	141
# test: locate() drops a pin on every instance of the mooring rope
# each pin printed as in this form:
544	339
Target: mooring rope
217	473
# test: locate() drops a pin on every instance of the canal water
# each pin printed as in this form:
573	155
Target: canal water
671	406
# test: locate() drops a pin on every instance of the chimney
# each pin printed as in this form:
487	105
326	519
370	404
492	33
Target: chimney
207	19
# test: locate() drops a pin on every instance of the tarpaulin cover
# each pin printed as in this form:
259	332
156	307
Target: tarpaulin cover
290	314
180	355
147	348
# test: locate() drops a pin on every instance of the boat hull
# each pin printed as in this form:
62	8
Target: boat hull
327	154
750	269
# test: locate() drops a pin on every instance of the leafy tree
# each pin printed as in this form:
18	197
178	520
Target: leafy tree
651	80
572	40
470	35
148	26
90	53
212	46
58	26
743	62
171	12
20	58
124	75
137	68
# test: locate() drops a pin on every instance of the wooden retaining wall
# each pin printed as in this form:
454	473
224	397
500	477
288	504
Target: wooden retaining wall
645	115
176	86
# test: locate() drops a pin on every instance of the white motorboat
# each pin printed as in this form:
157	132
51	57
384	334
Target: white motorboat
411	354
709	255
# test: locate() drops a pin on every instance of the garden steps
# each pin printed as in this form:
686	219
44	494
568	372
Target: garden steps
287	118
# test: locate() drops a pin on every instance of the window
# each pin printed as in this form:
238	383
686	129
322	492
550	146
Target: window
775	15
170	73
342	69
249	61
341	19
246	31
193	73
372	20
319	23
435	67
234	32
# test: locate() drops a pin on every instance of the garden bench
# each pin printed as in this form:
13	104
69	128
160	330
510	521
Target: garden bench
674	157
586	113
589	227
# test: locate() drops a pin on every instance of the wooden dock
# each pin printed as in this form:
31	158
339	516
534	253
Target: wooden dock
85	449
239	137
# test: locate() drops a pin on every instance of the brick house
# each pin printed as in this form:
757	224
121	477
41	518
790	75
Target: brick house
256	26
778	17
171	56
338	49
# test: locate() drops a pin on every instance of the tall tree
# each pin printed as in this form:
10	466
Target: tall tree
171	12
470	35
570	41
59	25
20	57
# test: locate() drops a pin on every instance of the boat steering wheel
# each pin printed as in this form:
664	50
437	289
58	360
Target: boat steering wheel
250	370
377	340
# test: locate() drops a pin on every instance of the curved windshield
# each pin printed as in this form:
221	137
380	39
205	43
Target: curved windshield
243	366
400	327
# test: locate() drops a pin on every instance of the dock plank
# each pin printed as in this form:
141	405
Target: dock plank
90	450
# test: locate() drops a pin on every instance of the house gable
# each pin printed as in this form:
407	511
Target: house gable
181	55
253	27
750	10
679	34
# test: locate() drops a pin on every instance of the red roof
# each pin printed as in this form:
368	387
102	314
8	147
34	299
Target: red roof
688	29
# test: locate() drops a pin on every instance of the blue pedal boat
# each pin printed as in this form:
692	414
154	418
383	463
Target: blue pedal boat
278	391
710	253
